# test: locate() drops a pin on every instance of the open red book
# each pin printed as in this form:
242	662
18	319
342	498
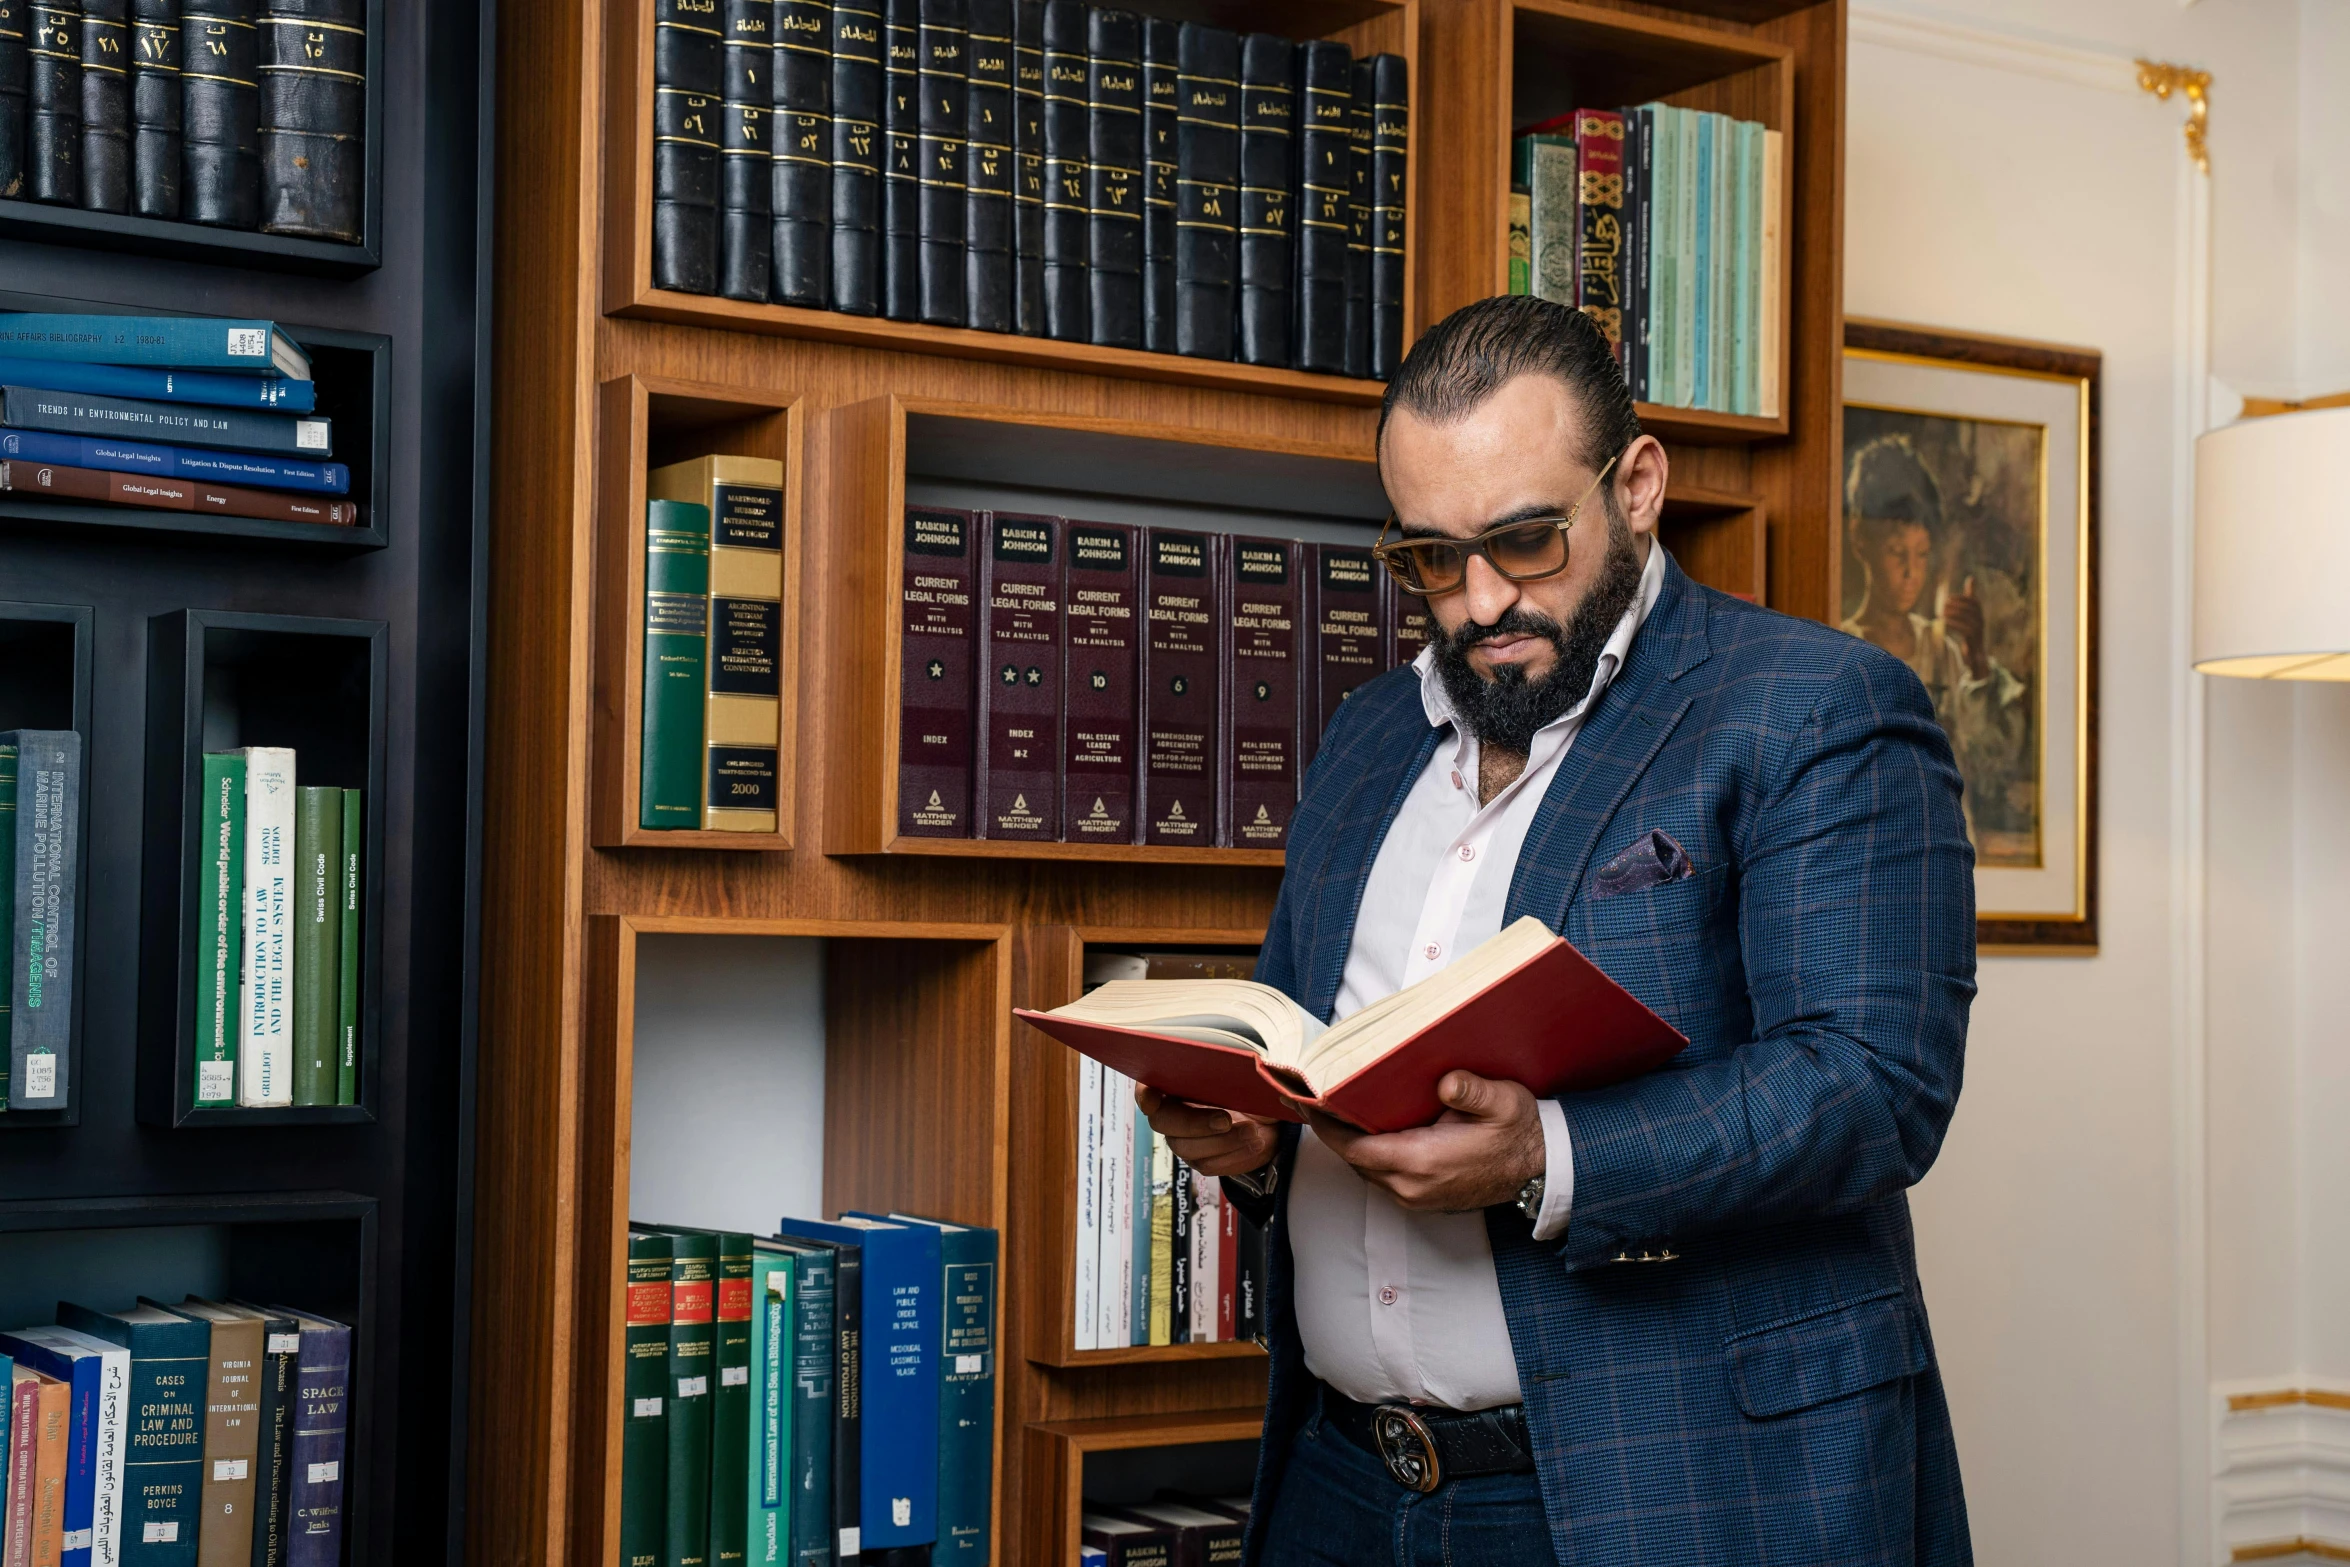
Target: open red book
1524	1006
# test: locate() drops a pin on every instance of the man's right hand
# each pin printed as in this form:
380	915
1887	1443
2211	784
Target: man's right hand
1211	1141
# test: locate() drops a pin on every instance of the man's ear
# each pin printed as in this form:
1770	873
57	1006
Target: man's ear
1640	478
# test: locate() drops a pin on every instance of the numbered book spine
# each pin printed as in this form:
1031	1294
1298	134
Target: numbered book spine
1359	122
40	1011
1114	183
347	981
318	941
1262	646
901	175
746	150
54	150
1181	577
1065	155
988	236
802	132
858	85
232	1441
220	178
644	1390
730	1405
15	69
314	1496
1599	220
1207	189
156	54
313	118
1268	198
1085	1301
1028	167
1325	186
265	1043
1390	190
689	78
1348	641
944	123
8	766
677	626
935	683
1020	654
106	105
767	1491
163	1451
219	936
693	1286
1102	591
1162	103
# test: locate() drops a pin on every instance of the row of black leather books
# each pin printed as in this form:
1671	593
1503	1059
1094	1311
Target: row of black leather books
243	114
1036	166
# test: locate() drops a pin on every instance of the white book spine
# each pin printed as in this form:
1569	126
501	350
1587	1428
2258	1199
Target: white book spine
265	1055
1087	1306
1117	1242
113	1431
1206	1199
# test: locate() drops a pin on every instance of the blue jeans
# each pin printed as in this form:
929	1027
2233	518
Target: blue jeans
1337	1507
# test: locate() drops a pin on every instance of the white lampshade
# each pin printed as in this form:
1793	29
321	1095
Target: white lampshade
2272	548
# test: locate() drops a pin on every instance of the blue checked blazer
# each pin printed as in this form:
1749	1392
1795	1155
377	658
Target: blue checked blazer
1764	1390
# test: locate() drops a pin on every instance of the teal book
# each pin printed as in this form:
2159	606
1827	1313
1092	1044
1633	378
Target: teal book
347	979
170	342
1685	240
644	1394
7	921
677	649
1721	277
163	1463
1750	215
768	1493
1701	325
813	1405
1138	1192
220	941
966	1392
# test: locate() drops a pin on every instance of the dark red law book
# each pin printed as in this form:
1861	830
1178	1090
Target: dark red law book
162	494
1349	644
1101	599
1524	1006
1408	623
1182	582
1265	588
1019	787
935	696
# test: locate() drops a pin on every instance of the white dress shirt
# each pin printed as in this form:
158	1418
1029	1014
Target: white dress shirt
1393	1305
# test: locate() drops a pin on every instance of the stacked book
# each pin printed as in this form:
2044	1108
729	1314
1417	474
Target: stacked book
40	849
1083	682
207	1431
831	1387
278	935
1036	166
1662	224
1172	1529
172	413
232	113
1161	1256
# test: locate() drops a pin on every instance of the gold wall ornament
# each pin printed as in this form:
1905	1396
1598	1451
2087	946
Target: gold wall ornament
2193	85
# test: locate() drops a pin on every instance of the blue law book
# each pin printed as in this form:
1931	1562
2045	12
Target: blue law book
239	429
99	1375
176	462
282	393
180	342
966	1390
163	1458
826	1291
898	1473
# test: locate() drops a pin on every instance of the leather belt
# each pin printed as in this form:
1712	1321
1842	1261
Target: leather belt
1423	1446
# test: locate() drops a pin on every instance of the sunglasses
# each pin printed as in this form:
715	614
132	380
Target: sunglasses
1524	551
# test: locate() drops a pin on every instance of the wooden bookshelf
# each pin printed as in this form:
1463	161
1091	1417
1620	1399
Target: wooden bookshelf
955	1110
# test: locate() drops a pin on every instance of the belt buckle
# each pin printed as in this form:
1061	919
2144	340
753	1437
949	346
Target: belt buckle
1407	1447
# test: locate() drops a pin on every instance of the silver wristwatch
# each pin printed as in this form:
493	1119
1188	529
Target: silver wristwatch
1259	1183
1530	1200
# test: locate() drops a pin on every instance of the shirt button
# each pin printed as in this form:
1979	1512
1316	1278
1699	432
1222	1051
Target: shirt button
1468	853
1432	949
1456	778
1387	1295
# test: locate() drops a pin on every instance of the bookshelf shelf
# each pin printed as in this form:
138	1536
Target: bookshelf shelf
1161	1354
174	241
1705	427
1102	853
1057	1450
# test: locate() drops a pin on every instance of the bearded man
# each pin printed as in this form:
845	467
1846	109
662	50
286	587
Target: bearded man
1677	1320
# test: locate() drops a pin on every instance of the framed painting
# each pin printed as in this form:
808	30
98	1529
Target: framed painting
1970	553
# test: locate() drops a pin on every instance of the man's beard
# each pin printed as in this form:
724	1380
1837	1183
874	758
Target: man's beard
1505	709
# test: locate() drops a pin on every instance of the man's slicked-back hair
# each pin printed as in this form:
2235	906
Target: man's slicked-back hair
1472	353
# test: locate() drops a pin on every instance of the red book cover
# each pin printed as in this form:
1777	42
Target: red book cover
1019	676
1181	583
1408	623
1227	1270
157	493
1554	1023
934	675
1349	643
1599	214
1265	588
1101	588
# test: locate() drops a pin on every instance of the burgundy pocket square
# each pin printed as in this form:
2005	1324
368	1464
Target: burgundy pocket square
1653	859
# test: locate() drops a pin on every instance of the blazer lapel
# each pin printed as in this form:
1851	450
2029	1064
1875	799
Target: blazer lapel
1381	783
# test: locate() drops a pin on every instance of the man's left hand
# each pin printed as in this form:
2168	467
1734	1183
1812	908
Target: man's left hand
1481	1151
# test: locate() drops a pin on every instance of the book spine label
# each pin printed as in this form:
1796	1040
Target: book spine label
347	981
944	131
858	145
1262	648
1162	108
644	1414
1347	627
1390	192
901	173
265	989
48	833
1065	174
1114	183
1182	582
1085	1291
232	1441
313	117
801	196
1162	1242
8	765
677	625
988	168
1359	121
219	935
966	1407
1182	1194
743	718
163	1468
281	1362
1268	196
936	693
731	1406
689	77
1102	590
1599	219
1207	189
815	1387
322	1414
1028	167
106	105
55	118
746	151
693	1289
318	941
155	108
1325	184
1020	677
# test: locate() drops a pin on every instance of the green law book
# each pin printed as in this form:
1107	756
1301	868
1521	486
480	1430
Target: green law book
768	1492
7	900
693	1283
318	940
220	940
730	1404
644	1413
677	647
354	841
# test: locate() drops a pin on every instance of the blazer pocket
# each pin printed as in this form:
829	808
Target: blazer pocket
1829	1354
1664	909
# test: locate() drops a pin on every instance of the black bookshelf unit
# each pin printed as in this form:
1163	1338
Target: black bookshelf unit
363	648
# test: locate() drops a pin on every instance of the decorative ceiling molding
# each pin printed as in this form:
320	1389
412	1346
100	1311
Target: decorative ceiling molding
2030	54
2195	86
